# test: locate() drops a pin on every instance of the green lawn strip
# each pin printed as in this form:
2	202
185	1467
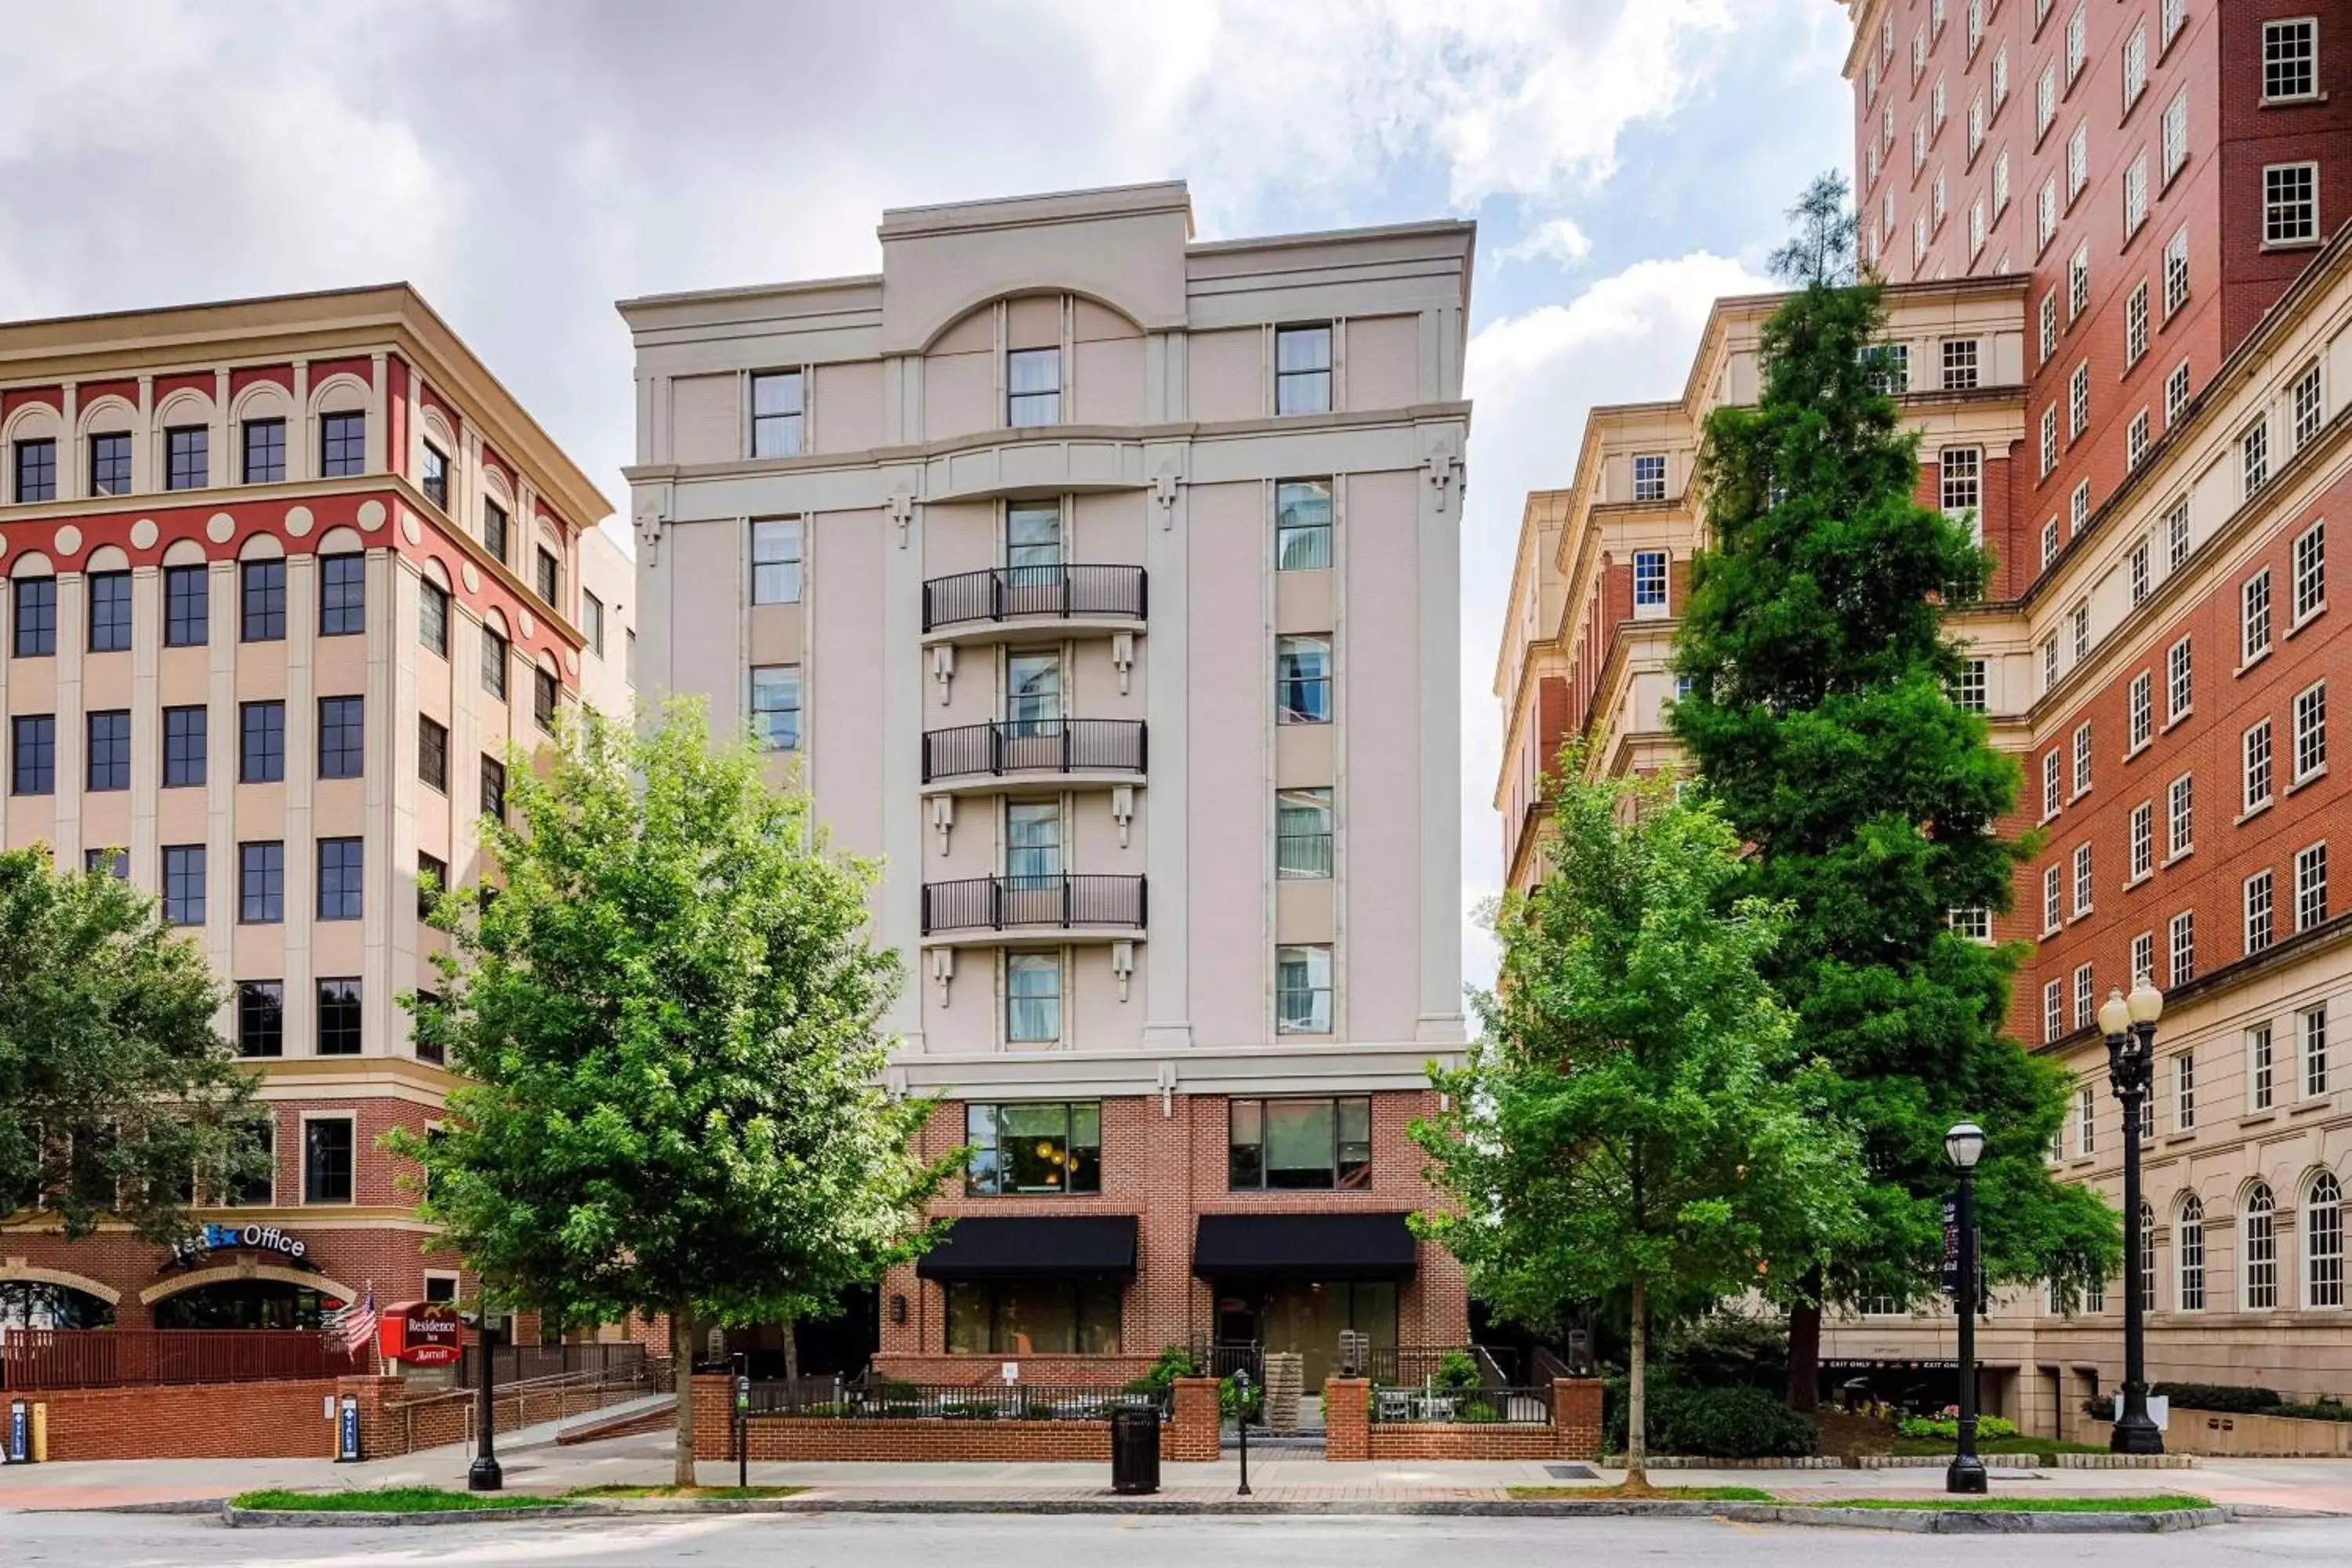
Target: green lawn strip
2165	1503
1928	1448
731	1493
1661	1494
385	1499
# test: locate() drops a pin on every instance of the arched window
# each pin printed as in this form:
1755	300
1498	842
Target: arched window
2323	1242
2258	1249
2189	1254
36	1304
2146	1256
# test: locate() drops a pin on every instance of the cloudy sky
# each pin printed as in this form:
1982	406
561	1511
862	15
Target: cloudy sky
525	163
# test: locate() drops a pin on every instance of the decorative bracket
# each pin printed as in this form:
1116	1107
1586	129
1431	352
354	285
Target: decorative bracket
1166	1089
652	522
943	819
1122	810
1164	487
943	669
1123	657
1441	468
1122	964
943	970
901	508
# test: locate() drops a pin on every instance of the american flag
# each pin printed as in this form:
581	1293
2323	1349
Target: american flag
355	1324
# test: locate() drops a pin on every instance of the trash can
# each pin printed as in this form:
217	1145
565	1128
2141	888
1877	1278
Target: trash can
1135	1448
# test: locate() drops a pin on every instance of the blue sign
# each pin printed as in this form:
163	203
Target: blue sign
347	1436
20	1433
194	1248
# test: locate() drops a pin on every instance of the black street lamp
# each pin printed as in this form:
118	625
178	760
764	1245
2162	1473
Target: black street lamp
1964	1145
485	1475
2129	1024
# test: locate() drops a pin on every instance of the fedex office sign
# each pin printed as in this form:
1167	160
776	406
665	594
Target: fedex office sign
214	1238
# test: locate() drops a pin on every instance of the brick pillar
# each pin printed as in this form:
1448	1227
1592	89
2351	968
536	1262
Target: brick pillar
1347	1419
714	1416
1576	1416
1192	1435
523	1328
380	1437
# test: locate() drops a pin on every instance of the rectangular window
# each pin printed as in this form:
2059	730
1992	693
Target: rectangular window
2077	52
2136	437
1649	476
2053	783
2135	565
2184	1093
329	1147
2290	59
2143	839
1960	480
2140	704
2078	402
2135	65
1036	1316
2045	213
2257	755
343	595
341	878
1303	825
2261	1088
183	884
776	561
1302	369
433	754
261	742
108	765
2086	997
494	788
187	607
110	464
1303	990
2176	402
260	1018
2078	516
2175	13
265	451
2045	101
2310	732
1974	923
2049	321
263	617
187	464
432	881
547	576
2082	758
2254	618
591	622
2181	816
2086	1122
1033	387
109	611
494	529
2310	574
776	706
434	477
2182	942
338	1017
37	470
2174	136
2053	1011
1302	679
2176	272
1299	1145
2135	194
1649	582
2311	1037
1035	1149
2310	887
1033	539
2143	962
342	737
2053	914
36	635
2260	902
1972	691
777	407
1302	525
433	617
33	755
2001	181
2049	643
2135	324
494	663
1033	998
342	444
186	731
2078	167
2085	885
260	883
2049	444
545	692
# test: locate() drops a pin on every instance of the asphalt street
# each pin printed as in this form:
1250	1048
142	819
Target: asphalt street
127	1540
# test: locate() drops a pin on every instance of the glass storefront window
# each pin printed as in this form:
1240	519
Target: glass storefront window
1049	1148
1293	1144
1034	1317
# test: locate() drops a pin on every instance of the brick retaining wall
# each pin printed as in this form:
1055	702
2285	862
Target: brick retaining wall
1351	1433
191	1421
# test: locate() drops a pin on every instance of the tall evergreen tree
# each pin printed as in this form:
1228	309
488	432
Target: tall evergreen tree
1820	716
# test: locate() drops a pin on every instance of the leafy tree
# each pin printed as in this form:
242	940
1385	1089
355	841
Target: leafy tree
1820	717
670	1016
1635	1124
115	1089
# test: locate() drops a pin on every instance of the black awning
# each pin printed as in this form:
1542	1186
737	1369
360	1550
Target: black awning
1303	1247
1025	1246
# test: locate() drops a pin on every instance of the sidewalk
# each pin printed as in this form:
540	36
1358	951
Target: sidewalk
534	1463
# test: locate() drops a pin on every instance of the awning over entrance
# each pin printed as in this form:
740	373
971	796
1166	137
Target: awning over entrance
1303	1247
1028	1246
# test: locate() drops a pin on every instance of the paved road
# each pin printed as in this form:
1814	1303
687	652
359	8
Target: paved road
84	1541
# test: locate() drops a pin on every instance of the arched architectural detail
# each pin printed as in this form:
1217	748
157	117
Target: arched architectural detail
184	553
494	619
107	558
112	411
2257	1247
32	563
261	400
33	422
435	573
341	542
341	393
995	294
261	545
437	429
2323	1239
27	1274
186	407
231	1273
2189	1254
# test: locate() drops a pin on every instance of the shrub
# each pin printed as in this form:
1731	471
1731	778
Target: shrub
1738	1423
1477	1410
1938	1427
969	1410
1457	1372
2325	1408
1724	1347
1229	1400
2230	1399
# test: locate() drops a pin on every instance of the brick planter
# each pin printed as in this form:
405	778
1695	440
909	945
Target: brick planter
1351	1435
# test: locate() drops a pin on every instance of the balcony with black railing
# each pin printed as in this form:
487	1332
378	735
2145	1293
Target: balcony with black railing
971	754
980	907
1026	595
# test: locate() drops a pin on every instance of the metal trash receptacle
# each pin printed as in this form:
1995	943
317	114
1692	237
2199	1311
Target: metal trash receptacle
1135	1448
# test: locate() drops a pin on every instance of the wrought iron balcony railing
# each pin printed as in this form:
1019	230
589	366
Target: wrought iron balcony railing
1035	592
1035	746
1010	903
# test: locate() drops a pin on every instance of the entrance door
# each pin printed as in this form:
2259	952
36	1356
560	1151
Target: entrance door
1308	1316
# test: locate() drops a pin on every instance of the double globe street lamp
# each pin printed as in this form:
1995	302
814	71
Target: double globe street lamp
2129	1024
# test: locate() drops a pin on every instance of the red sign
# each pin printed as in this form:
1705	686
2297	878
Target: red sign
421	1333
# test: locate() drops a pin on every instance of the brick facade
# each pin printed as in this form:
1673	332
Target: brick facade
196	1421
1351	1433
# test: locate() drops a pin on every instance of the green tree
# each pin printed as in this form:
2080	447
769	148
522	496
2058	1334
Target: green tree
1635	1124
670	1017
1820	716
115	1090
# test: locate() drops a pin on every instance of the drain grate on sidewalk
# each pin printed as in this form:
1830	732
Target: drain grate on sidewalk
1572	1472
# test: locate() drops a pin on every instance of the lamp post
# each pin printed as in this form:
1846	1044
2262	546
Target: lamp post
2129	1024
1240	1416
1964	1145
485	1475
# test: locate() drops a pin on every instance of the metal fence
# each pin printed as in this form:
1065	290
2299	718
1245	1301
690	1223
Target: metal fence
1526	1406
1035	746
528	1364
111	1358
949	1402
1017	593
1223	1358
993	904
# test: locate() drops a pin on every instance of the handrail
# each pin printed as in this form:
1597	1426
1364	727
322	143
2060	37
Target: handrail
1035	745
998	903
1029	593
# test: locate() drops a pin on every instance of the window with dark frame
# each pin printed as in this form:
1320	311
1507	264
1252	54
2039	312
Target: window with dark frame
263	612
776	561
342	444
1302	525
1302	369
432	881
35	629
261	883
37	470
337	1029
260	1018
329	1147
1033	381
776	413
343	595
1302	679
1033	1149
591	622
494	530
265	451
187	607
259	1190
109	762
341	878
185	733
1282	1145
427	1002
546	574
109	611
115	863
433	754
1037	1316
432	477
494	663
494	788
1302	988
433	617
109	463
542	700
187	458
342	737
1302	834
261	742
33	755
183	884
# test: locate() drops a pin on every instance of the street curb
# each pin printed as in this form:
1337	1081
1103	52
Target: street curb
1918	1522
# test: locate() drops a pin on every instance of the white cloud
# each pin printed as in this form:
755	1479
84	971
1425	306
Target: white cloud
1533	377
1555	239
